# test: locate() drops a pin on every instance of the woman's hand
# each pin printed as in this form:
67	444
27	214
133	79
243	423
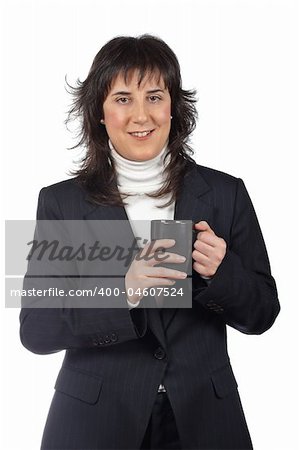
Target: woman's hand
143	273
209	250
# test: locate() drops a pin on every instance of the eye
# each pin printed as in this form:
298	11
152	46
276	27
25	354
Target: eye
123	100
154	98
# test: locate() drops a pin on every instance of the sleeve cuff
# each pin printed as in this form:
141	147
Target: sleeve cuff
133	305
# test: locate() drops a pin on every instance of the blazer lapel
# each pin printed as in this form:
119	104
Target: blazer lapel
194	203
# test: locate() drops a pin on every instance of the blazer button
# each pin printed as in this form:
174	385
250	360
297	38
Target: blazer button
113	337
214	307
101	341
107	339
159	353
211	305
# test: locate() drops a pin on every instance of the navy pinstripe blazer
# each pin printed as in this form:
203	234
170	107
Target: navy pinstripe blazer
115	359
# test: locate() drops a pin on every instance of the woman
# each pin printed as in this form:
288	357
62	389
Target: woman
137	377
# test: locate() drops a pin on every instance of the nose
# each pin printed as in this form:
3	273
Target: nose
139	113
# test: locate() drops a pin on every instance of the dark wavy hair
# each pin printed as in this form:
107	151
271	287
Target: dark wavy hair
149	55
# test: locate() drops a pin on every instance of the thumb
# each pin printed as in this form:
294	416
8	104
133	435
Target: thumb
203	226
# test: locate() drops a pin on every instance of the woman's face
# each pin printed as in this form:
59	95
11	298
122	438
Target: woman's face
137	118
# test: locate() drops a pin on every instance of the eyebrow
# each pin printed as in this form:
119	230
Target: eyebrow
152	91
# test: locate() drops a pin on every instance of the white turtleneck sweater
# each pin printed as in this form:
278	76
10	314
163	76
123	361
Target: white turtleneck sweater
139	178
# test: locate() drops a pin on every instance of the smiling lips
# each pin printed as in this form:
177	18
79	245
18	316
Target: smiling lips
141	134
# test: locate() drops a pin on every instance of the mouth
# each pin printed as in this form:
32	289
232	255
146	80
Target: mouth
141	134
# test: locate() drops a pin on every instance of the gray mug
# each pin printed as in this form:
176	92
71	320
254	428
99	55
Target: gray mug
183	234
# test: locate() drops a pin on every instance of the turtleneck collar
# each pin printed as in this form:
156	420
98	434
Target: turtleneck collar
139	176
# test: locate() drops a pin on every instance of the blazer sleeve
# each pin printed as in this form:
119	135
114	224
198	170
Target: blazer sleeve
49	330
243	292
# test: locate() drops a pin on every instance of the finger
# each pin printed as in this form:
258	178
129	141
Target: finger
202	270
164	272
200	258
207	238
158	244
152	281
203	226
203	248
165	257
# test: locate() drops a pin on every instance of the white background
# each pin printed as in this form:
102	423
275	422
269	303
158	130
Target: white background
242	57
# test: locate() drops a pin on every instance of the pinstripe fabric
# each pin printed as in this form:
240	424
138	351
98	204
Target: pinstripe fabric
104	395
